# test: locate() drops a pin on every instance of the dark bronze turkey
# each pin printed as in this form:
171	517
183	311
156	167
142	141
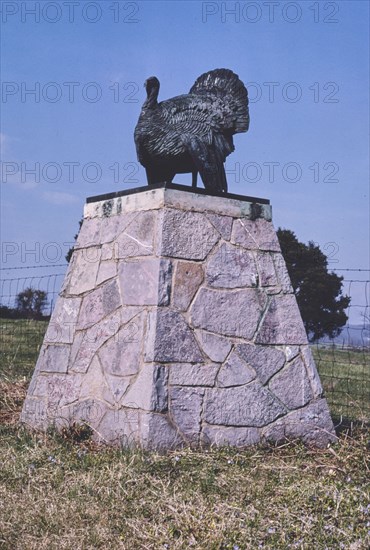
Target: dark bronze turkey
193	132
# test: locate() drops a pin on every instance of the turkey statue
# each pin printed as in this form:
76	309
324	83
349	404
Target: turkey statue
192	132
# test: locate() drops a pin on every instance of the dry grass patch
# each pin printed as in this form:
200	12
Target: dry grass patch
12	395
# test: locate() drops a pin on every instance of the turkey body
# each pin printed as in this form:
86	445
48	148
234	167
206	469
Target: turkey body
192	132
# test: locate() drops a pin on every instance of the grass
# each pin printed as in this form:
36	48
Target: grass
62	491
61	494
345	376
20	341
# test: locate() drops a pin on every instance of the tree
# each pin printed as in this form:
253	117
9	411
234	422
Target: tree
318	291
8	312
31	303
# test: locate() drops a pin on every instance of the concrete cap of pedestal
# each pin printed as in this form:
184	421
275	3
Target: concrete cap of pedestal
177	196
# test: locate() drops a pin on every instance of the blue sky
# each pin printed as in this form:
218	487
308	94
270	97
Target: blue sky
312	55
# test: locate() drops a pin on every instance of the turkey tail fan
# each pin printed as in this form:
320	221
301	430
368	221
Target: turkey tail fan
226	85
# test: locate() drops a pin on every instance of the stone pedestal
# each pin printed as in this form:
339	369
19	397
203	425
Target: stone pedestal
177	324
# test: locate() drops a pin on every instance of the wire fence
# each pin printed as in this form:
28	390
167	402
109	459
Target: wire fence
12	287
343	362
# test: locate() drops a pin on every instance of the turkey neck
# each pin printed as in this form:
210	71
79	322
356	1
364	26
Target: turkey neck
152	100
